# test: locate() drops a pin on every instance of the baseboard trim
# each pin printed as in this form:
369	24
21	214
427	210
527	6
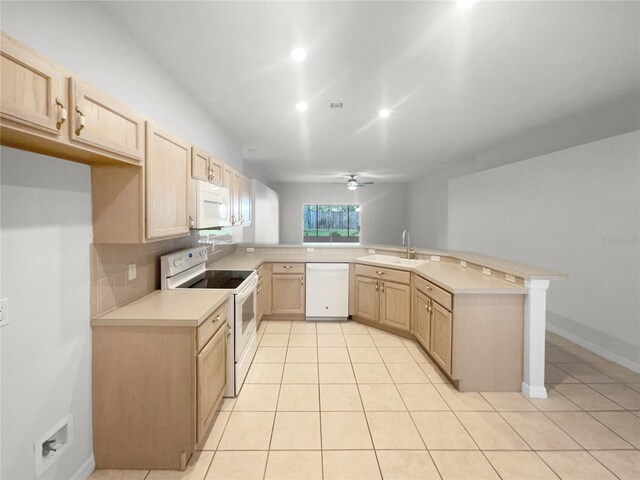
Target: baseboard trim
534	392
625	362
86	469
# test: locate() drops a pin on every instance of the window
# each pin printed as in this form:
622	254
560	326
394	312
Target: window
331	223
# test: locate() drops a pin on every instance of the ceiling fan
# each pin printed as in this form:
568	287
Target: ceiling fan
352	183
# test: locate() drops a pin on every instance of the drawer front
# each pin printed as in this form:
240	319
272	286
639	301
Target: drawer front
383	273
210	325
439	295
288	268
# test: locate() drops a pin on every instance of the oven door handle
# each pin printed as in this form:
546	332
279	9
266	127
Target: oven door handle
248	290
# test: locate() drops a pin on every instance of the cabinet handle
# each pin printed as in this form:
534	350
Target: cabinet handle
62	114
286	266
81	121
383	287
217	318
426	307
302	281
379	272
376	286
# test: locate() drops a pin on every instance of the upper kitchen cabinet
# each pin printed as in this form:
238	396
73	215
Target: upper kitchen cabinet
245	201
33	94
206	167
101	123
166	184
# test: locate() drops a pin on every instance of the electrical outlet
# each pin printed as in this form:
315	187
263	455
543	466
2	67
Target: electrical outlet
132	272
372	250
509	278
435	258
250	249
486	271
311	250
463	263
4	312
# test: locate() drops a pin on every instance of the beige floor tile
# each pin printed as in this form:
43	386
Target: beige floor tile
333	355
618	372
555	402
421	397
303	327
302	340
106	474
394	431
354	328
364	355
585	355
386	340
296	431
555	355
345	431
300	373
357	340
196	469
371	373
539	432
407	465
625	424
509	402
442	431
340	398
587	431
520	466
463	466
302	355
625	464
278	327
237	466
227	404
257	398
270	355
586	397
213	436
418	354
634	386
395	355
247	431
299	398
329	340
407	373
350	465
555	375
294	465
336	373
274	340
620	394
434	374
491	432
585	373
576	466
381	397
265	373
636	413
333	328
463	401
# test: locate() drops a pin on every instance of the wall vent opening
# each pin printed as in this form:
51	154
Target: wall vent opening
335	105
53	444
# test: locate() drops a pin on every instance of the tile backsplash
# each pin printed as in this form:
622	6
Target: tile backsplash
110	286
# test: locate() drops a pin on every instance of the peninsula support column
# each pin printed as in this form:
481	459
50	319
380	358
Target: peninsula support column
535	311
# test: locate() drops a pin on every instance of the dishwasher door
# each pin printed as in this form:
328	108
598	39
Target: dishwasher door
327	291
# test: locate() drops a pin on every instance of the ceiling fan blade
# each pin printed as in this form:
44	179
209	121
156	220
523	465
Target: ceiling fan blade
366	183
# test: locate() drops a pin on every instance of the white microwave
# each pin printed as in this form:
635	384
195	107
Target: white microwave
212	205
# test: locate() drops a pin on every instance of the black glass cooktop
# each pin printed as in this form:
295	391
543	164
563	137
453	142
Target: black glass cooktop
218	279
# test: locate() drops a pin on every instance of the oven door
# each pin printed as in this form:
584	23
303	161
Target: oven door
212	205
245	318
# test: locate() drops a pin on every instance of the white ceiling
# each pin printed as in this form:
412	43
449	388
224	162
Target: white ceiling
457	81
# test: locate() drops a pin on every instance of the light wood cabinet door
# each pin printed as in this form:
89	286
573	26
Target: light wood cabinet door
245	202
287	294
32	91
441	330
199	164
259	302
423	319
216	167
236	198
212	378
227	181
166	182
395	305
367	298
100	122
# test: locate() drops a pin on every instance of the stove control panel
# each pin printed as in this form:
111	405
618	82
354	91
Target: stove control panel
177	262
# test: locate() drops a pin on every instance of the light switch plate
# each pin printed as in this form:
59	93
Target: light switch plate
4	312
463	263
486	271
509	278
372	250
435	258
250	249
311	250
132	272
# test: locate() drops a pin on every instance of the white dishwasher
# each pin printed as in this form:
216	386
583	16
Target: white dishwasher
327	291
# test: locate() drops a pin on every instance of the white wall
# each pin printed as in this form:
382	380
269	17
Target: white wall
383	209
45	232
576	211
265	216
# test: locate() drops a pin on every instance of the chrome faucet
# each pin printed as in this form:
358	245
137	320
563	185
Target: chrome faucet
407	236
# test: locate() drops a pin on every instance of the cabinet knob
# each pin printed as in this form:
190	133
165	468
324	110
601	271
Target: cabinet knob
379	272
217	318
376	286
81	121
302	281
287	266
62	114
382	287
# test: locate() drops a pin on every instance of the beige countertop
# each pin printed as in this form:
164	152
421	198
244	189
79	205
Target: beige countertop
451	277
166	308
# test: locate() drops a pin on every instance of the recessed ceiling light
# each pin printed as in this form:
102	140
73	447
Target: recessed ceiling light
384	113
298	54
464	4
301	106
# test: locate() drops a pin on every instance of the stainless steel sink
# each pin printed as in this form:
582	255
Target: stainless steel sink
389	260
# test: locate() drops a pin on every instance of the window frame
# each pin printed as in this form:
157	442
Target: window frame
317	239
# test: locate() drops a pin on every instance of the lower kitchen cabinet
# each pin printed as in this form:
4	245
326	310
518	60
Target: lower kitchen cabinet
212	378
423	319
288	293
395	302
441	330
367	298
